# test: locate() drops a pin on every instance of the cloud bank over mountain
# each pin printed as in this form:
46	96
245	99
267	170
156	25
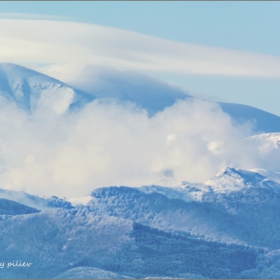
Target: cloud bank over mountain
108	143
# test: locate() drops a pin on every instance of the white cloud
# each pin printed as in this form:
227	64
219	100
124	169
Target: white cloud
63	48
108	144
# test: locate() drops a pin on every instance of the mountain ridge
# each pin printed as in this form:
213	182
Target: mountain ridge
30	89
124	232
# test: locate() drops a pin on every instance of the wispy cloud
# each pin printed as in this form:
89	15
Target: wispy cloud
68	46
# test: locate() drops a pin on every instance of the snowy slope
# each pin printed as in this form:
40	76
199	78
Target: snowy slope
32	90
253	198
201	219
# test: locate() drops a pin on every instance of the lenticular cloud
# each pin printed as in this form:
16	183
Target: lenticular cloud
60	49
106	143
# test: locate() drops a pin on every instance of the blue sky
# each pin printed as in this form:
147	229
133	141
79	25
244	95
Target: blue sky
245	26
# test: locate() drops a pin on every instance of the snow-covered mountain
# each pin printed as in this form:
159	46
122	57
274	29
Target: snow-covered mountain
229	231
252	198
231	180
31	90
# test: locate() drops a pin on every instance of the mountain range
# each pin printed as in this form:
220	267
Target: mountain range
226	227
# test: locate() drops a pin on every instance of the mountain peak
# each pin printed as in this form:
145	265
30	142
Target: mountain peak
31	90
233	179
244	174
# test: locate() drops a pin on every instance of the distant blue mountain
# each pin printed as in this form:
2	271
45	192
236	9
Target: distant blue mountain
154	96
143	91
